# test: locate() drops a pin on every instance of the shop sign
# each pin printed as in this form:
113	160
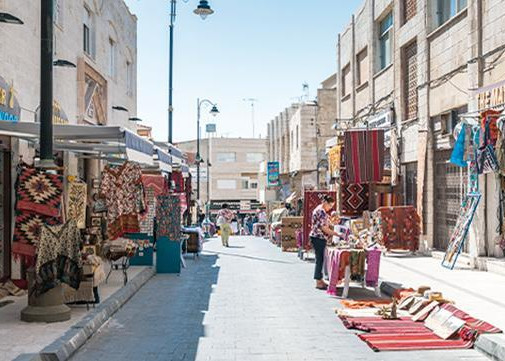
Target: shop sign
245	205
59	116
210	128
194	173
491	96
10	111
383	121
273	179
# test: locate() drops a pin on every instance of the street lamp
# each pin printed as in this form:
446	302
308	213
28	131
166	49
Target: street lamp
203	10
10	19
119	108
214	111
64	63
134	119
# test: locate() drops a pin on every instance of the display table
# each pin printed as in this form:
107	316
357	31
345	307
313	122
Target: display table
352	264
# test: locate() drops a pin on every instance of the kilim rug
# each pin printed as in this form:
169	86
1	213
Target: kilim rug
311	200
168	217
76	203
364	156
39	191
146	220
354	199
414	341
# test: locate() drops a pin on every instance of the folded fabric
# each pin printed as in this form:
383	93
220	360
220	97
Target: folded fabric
39	191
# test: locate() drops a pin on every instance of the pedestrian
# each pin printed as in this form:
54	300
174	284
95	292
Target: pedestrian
224	218
321	232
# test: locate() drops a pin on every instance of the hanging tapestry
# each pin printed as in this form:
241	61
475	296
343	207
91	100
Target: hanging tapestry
178	179
168	217
397	228
59	257
146	220
364	156
311	199
39	191
157	182
122	189
334	158
354	199
76	203
489	120
468	208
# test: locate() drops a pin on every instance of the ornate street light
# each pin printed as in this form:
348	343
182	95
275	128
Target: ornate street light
203	9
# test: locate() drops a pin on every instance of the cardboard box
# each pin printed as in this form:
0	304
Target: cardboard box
289	226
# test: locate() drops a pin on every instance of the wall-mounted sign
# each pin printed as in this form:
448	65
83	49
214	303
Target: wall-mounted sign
273	179
491	95
10	111
210	128
383	120
59	116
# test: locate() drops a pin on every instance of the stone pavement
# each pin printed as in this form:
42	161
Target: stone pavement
248	302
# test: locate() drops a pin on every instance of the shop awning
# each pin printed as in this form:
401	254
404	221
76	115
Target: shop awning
162	159
106	140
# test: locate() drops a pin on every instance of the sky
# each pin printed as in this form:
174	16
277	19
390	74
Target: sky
260	49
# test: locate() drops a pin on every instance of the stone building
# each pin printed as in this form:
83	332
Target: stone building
297	139
100	38
233	173
420	64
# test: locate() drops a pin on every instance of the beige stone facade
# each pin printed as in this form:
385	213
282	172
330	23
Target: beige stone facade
235	164
424	60
297	138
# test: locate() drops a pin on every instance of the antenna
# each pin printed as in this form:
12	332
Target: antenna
252	101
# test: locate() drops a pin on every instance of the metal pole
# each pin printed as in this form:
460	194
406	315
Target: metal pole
46	83
198	151
173	4
208	168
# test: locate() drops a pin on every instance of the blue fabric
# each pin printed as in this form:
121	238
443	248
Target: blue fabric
458	154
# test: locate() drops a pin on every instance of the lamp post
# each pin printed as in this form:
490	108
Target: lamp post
214	111
203	10
10	19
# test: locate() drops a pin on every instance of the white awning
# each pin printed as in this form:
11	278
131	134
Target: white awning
91	139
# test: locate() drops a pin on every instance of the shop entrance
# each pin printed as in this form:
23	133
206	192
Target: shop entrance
450	188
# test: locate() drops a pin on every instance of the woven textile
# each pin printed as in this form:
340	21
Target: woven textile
168	217
364	156
154	185
39	191
58	257
311	200
397	227
124	195
334	158
76	203
354	199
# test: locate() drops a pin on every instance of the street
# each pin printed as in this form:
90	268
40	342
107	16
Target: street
246	302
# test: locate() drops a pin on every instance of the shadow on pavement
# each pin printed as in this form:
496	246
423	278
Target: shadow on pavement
249	257
163	321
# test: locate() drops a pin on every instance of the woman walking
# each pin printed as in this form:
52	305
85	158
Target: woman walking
321	232
224	218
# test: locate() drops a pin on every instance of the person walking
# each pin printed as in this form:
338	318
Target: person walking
224	218
321	232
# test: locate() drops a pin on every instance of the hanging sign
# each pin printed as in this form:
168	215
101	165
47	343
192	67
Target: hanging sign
210	128
273	179
59	116
10	111
383	121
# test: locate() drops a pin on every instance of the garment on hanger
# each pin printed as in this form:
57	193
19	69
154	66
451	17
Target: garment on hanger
122	189
58	257
76	203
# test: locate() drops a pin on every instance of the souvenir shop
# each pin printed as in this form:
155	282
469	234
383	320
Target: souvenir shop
99	210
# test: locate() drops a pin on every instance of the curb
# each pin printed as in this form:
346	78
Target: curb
491	345
79	333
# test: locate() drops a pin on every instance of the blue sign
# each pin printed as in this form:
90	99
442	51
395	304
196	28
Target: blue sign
10	111
273	177
210	128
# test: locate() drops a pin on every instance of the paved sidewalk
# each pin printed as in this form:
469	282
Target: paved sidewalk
248	302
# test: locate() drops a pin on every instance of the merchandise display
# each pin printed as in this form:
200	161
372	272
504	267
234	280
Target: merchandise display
397	228
76	202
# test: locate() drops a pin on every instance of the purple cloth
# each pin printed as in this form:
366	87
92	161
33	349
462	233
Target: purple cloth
332	261
373	259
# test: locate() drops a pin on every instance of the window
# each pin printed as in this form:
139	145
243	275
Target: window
226	184
362	67
112	58
346	80
446	9
89	33
245	184
410	79
297	136
254	185
409	10
385	41
226	157
58	13
129	78
254	157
